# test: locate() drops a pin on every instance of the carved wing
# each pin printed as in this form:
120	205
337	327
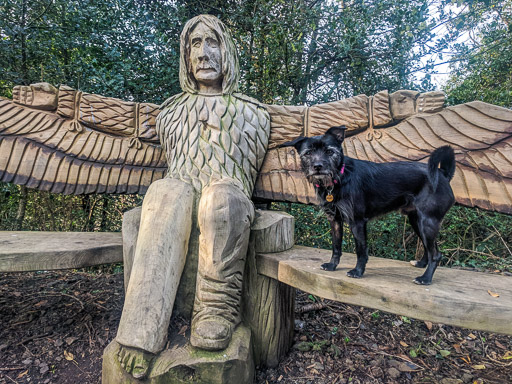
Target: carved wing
79	144
480	133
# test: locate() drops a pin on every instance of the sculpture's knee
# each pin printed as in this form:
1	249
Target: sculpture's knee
225	205
168	187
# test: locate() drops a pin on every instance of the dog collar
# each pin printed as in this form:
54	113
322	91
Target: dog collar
329	197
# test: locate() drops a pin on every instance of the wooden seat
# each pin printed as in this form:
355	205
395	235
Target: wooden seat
456	297
40	251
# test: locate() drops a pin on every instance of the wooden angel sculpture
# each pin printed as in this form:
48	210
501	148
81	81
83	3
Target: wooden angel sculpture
204	154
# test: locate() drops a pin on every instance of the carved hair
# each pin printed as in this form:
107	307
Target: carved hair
230	69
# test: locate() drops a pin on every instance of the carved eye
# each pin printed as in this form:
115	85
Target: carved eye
213	43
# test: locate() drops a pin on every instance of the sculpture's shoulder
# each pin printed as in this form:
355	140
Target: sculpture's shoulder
250	100
171	100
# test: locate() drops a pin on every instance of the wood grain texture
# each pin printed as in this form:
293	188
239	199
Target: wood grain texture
108	114
38	151
287	122
181	363
130	231
273	231
456	297
480	133
43	150
158	262
40	251
268	305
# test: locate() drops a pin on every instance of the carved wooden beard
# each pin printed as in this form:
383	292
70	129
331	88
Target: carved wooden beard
210	138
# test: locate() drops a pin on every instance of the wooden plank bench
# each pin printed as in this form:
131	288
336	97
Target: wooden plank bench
39	251
457	297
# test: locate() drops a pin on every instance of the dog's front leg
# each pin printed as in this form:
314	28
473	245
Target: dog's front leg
336	223
358	229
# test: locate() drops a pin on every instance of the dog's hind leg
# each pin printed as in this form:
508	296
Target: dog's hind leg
359	231
413	220
429	228
336	223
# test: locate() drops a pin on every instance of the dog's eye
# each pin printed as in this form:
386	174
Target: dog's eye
307	153
329	152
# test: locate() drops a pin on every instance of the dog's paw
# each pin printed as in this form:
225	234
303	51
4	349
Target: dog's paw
418	264
328	266
421	280
355	273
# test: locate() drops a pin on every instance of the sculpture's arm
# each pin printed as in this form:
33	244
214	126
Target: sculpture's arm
480	133
357	113
69	142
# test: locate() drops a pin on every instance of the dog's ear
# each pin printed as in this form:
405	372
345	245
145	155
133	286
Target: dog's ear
337	132
297	143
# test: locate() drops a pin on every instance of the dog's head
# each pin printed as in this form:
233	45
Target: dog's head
321	156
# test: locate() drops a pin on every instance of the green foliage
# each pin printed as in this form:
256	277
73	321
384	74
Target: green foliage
482	68
469	237
54	212
313	51
126	49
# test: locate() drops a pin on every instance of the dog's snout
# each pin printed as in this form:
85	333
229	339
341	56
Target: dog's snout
317	166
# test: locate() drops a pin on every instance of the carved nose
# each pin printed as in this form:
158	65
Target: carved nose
203	55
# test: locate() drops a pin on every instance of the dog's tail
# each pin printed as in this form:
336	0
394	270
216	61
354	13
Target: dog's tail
441	160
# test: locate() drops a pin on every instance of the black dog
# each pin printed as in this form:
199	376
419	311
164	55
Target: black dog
357	191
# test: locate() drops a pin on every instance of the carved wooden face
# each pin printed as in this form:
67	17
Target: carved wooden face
206	59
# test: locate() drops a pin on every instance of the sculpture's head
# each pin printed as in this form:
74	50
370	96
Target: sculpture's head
208	59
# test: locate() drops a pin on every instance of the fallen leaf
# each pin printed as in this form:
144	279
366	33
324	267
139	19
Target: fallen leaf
43	302
444	352
466	359
69	356
457	348
407	366
507	355
280	378
479	366
22	374
429	325
403	344
471	336
183	330
493	294
499	345
406	358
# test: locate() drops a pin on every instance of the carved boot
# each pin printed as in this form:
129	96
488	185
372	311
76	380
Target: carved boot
225	216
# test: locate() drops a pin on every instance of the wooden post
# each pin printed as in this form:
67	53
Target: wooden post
268	307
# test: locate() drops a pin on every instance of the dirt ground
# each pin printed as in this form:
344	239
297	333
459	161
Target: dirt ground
55	325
